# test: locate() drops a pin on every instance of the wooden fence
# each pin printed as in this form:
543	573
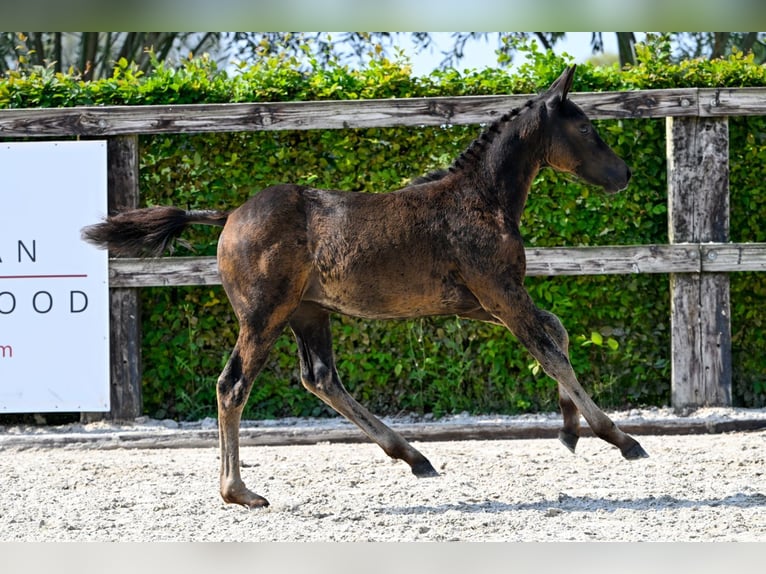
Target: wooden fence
698	256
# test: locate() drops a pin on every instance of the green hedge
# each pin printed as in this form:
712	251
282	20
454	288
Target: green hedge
619	325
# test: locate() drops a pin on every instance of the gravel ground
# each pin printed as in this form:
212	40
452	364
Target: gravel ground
692	488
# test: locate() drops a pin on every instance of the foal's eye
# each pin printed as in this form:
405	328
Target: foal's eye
584	129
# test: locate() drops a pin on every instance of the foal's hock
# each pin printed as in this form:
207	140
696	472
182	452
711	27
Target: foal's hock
447	244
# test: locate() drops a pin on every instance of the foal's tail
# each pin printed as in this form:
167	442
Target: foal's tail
146	232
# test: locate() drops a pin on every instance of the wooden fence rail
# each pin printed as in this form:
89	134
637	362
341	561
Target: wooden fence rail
344	114
542	261
698	256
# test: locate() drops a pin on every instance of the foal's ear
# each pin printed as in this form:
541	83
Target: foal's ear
560	88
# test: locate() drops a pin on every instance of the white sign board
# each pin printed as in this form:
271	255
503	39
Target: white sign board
54	291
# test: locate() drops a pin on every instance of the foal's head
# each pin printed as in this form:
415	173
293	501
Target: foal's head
573	144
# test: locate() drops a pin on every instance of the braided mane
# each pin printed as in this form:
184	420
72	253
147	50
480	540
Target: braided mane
476	148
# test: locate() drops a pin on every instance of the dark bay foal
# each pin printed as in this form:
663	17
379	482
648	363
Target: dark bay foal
448	244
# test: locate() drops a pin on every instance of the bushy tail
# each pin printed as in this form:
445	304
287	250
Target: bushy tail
146	232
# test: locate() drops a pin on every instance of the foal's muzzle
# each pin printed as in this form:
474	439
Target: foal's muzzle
617	182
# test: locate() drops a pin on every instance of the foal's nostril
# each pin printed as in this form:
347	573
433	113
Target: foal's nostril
629	174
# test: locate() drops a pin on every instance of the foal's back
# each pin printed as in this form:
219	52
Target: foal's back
381	256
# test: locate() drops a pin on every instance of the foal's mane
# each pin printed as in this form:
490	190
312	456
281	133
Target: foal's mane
477	147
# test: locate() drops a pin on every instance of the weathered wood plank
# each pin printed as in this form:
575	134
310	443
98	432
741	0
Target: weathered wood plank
625	259
728	257
719	102
701	340
698	211
164	272
309	434
343	114
124	313
698	180
715	340
639	104
125	356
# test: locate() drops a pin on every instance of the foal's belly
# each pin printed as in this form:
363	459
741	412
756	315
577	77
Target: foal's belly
392	297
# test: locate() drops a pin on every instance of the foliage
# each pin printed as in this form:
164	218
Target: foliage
91	55
618	325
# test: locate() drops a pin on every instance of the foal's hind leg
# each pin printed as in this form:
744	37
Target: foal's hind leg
234	385
311	326
263	314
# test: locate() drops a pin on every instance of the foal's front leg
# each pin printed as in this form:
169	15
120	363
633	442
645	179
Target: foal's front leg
572	396
541	335
569	433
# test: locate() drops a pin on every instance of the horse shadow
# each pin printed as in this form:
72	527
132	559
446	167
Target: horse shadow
566	503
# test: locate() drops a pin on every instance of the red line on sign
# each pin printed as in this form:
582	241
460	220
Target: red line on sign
73	276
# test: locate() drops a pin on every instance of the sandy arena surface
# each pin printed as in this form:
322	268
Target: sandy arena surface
704	487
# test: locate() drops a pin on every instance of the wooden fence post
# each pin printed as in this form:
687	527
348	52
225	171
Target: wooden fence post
124	310
698	212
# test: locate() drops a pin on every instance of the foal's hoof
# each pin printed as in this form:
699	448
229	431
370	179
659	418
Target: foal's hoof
635	452
245	498
423	469
568	439
256	502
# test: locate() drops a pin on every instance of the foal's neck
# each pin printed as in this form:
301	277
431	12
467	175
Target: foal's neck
507	174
